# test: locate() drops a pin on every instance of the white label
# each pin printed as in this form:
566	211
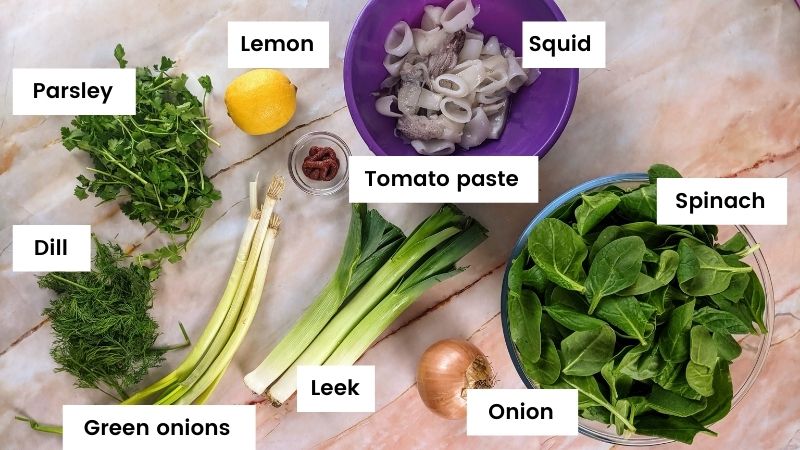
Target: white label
51	248
556	45
336	389
136	427
522	412
440	179
279	45
72	92
722	201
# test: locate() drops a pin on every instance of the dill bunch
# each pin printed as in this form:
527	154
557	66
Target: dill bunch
104	335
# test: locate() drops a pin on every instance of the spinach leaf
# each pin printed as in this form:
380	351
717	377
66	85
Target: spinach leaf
535	278
702	350
700	378
739	309
720	321
736	288
756	301
674	340
572	319
558	250
547	369
657	171
570	299
719	403
727	347
681	429
585	352
640	363
626	314
609	233
614	268
702	271
593	209
554	329
667	266
668	402
623	408
661	299
597	413
642	285
654	235
735	244
639	204
515	275
524	318
588	387
619	384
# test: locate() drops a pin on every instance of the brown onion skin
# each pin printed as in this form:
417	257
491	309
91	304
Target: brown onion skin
445	370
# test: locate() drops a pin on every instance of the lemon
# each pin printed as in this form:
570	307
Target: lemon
261	101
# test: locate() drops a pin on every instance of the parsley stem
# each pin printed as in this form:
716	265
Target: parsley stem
122	166
206	134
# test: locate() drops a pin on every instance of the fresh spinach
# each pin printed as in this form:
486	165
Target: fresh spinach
585	352
703	271
572	319
559	251
700	378
640	318
525	316
627	315
720	321
670	403
674	340
593	209
614	268
702	350
682	429
727	347
547	369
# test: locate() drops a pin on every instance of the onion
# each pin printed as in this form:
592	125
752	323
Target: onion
446	370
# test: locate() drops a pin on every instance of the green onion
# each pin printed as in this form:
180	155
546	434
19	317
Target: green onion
196	376
438	228
370	241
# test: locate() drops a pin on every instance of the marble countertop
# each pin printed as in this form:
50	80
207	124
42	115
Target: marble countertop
712	88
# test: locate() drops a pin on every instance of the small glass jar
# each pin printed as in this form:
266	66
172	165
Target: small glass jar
744	369
299	153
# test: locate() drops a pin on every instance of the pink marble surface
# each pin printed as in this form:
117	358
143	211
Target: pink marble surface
711	87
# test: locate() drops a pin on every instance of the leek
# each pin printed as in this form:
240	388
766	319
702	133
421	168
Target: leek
435	269
370	241
435	230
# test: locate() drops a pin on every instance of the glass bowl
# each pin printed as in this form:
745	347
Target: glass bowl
744	370
300	151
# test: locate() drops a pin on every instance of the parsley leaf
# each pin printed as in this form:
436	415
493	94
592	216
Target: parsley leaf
152	161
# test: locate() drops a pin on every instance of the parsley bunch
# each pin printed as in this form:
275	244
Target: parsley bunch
104	335
153	160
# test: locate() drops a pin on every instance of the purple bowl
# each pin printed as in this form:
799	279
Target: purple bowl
538	114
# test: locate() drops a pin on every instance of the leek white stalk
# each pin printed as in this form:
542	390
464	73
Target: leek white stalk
369	243
435	230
